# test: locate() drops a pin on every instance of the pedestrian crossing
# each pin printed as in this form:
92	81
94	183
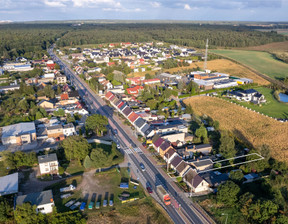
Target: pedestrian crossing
131	151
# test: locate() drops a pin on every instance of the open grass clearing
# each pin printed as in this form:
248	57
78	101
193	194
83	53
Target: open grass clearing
261	61
252	128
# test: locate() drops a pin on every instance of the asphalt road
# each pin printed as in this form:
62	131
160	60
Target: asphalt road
181	210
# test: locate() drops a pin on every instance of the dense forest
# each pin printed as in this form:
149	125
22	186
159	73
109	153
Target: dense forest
31	40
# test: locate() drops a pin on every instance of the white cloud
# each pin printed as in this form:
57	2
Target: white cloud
187	7
91	3
155	4
54	3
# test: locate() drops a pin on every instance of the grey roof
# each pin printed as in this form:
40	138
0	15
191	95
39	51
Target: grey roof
203	146
127	111
176	160
9	184
18	129
181	166
69	125
140	122
37	198
47	158
169	153
59	126
123	106
147	129
165	145
193	178
214	179
202	162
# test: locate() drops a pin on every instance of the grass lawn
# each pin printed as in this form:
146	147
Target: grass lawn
60	203
272	107
260	61
113	178
74	168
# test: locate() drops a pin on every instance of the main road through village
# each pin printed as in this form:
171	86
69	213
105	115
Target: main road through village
182	209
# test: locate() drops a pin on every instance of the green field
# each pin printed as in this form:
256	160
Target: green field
272	107
260	61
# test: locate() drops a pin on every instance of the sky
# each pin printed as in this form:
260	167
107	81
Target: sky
207	10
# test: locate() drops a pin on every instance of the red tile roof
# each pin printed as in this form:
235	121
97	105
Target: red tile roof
64	96
120	105
133	116
108	95
134	90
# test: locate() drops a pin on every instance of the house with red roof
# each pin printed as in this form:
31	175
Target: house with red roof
134	90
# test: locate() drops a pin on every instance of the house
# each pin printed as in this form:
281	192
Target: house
182	168
174	137
45	104
195	182
43	200
55	131
5	89
169	155
204	164
248	95
134	90
69	129
107	84
164	147
20	133
48	164
50	65
9	184
61	79
205	149
175	162
214	178
31	81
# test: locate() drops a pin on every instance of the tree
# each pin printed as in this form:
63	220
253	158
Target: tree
236	176
201	134
189	109
59	113
70	119
152	104
58	91
227	145
49	92
227	193
6	211
26	214
282	219
75	147
96	123
262	211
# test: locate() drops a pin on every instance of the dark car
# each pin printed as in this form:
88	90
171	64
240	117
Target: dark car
149	190
115	131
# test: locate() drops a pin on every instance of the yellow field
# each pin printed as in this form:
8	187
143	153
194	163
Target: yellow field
219	65
252	128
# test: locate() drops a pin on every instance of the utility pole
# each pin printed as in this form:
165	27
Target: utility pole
206	55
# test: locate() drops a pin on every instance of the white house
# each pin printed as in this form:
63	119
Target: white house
69	129
43	200
195	182
48	164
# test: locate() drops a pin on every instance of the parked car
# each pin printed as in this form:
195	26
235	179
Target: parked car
91	204
97	205
82	207
105	203
111	203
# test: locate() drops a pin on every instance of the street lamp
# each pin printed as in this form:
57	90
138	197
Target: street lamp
226	217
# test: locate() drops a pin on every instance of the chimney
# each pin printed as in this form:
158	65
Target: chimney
201	156
197	160
193	157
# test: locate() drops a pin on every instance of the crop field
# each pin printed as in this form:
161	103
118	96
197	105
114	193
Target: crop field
219	65
272	107
276	46
251	127
260	61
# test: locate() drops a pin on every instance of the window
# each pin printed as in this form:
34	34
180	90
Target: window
41	209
